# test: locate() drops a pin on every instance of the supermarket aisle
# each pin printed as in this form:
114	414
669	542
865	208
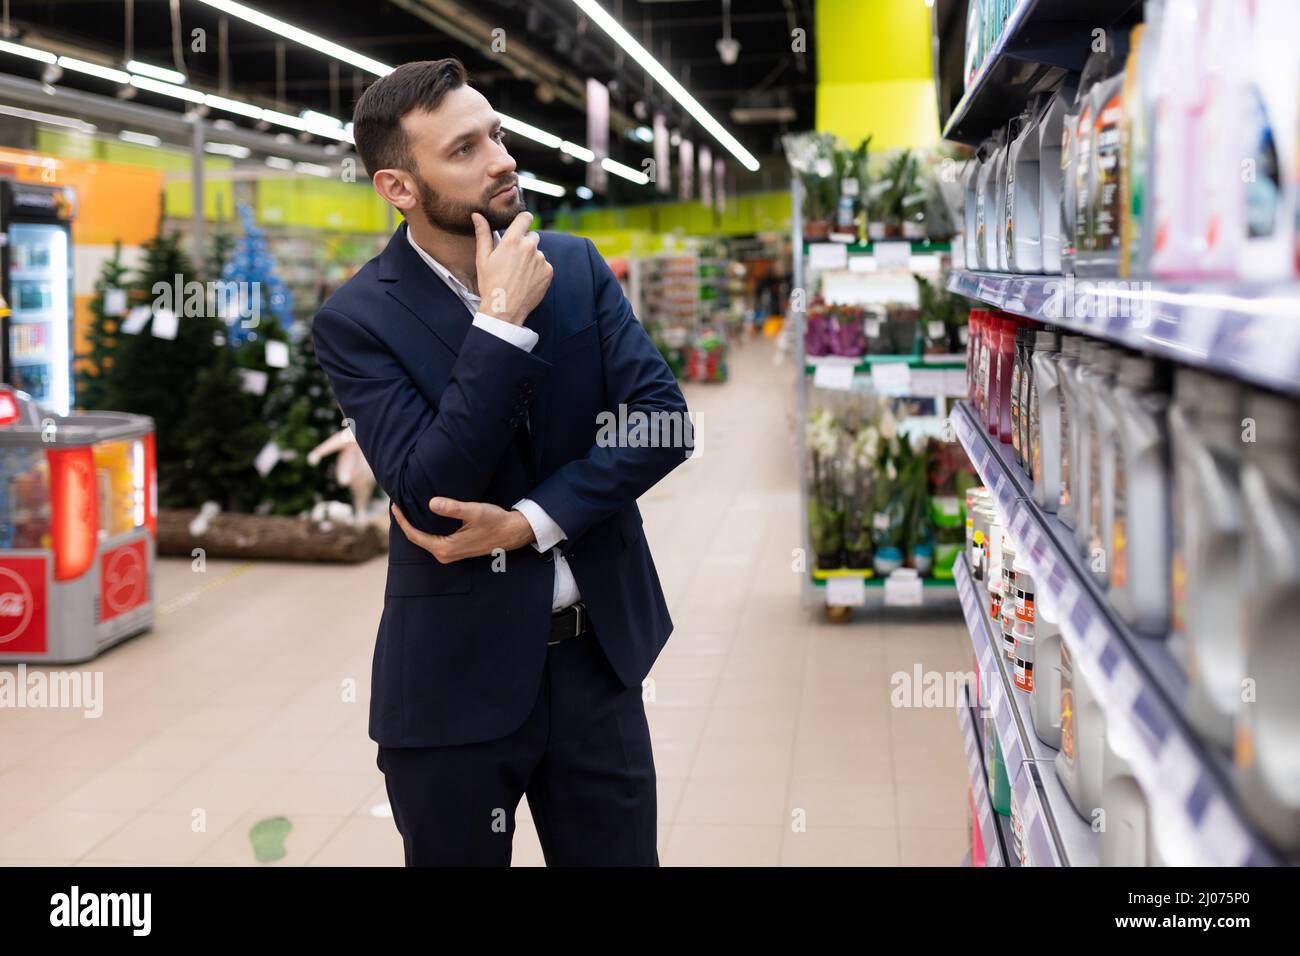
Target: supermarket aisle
775	740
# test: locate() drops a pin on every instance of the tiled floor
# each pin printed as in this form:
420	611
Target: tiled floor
775	738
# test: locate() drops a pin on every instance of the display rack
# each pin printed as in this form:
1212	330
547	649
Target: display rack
1248	332
875	589
1137	682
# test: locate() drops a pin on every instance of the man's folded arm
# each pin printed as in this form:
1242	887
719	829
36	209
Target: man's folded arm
609	477
415	451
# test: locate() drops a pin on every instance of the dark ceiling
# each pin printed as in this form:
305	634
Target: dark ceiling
550	49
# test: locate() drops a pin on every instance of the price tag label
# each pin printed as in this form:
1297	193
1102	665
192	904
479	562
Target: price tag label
935	329
892	377
827	255
881	521
277	354
846	592
253	381
114	302
838	376
903	592
892	255
927	383
872	327
165	324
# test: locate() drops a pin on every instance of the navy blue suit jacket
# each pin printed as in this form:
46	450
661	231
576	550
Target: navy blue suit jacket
438	408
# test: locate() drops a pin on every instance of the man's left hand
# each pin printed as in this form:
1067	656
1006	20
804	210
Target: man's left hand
484	528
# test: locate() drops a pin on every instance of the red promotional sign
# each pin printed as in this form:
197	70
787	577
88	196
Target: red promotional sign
123	580
22	606
8	407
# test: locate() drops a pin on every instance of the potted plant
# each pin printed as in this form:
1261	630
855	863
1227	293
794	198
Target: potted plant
897	196
825	508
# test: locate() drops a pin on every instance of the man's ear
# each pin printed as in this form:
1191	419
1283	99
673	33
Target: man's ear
397	187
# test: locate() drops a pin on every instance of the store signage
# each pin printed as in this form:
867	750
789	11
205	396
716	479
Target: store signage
685	170
597	134
663	181
706	176
719	185
22	605
123	579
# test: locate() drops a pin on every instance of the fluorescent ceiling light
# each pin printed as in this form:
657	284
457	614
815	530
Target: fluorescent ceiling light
17	49
313	169
583	192
665	79
529	130
233	150
155	72
139	139
279	162
49	119
579	152
290	32
541	186
94	69
233	106
312	118
627	172
167	89
283	119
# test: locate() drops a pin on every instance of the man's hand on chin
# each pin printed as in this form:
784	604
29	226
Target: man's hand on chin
484	528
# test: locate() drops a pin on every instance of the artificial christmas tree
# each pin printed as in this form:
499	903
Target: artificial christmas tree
153	374
109	297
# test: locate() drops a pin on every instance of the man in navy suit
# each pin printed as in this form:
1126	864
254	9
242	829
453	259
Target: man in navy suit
477	361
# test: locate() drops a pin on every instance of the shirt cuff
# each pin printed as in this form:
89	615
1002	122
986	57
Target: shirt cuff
547	532
516	335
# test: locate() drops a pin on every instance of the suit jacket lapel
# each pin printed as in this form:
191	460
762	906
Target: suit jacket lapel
422	292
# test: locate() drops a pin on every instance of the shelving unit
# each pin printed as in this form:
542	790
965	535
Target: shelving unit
1040	41
994	830
1055	834
815	591
1136	681
1247	332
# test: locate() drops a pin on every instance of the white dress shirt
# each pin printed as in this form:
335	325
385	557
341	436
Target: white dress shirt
564	591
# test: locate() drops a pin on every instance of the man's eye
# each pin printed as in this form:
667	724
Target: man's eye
464	149
500	136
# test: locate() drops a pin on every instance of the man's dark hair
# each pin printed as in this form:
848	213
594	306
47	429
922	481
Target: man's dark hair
377	118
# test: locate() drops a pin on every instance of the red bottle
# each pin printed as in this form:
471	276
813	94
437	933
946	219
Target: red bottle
1006	368
972	351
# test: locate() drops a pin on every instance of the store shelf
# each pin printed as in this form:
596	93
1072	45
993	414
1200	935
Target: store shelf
991	831
870	580
862	364
1040	41
1056	835
1250	332
919	247
1138	684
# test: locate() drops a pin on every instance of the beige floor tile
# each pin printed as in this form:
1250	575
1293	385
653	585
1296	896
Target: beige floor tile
743	760
922	846
733	802
841	846
61	834
122	789
727	724
676	723
162	837
308	835
931	805
696	845
838	803
362	841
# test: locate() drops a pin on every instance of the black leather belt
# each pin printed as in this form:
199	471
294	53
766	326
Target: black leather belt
572	621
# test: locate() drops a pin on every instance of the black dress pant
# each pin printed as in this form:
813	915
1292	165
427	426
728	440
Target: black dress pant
583	758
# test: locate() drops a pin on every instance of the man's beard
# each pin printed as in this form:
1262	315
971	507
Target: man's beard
454	217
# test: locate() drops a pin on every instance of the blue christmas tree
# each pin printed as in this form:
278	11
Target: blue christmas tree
253	266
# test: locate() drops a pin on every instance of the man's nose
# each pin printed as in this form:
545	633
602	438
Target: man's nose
502	164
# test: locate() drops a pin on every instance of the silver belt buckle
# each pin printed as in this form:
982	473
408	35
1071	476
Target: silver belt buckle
577	627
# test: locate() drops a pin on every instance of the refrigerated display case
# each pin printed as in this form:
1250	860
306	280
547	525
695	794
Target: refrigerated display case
78	530
36	281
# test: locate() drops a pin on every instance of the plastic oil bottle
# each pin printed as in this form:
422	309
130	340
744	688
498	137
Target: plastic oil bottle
1046	710
1083	734
1045	420
1128	838
1075	350
1099	380
1267	746
1205	424
1138	524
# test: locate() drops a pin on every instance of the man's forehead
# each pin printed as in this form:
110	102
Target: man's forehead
463	111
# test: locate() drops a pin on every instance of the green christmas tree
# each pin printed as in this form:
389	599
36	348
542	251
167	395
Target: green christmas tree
93	370
221	435
303	414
